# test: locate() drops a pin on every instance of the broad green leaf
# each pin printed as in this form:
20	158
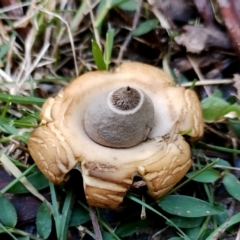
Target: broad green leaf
130	5
213	108
183	222
233	108
44	221
107	236
37	179
207	176
8	214
232	185
192	233
79	216
221	162
145	27
157	212
221	218
23	238
128	228
234	125
230	222
217	93
98	56
115	3
188	206
176	238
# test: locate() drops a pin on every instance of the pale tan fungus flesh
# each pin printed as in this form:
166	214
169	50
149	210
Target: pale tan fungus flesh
60	142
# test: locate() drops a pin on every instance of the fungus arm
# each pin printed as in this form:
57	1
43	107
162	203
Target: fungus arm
51	152
191	118
161	175
105	185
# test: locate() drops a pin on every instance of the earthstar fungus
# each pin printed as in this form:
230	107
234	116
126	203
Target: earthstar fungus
116	124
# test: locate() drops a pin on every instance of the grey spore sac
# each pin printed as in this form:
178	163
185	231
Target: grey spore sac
121	118
125	98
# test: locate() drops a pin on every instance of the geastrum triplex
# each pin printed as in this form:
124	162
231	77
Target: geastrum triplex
116	124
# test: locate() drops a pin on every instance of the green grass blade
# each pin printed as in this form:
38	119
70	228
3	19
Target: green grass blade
66	214
158	213
108	47
56	214
21	99
230	222
98	56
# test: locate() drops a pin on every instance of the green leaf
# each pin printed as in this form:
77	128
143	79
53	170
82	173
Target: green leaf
130	5
232	185
98	56
213	108
207	176
145	27
217	93
116	3
230	222
38	180
188	206
233	108
129	227
183	222
107	236
176	238
8	214
192	233
157	212
44	221
221	218
234	125
221	162
79	216
23	238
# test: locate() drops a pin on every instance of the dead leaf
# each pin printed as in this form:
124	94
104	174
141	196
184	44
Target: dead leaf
197	39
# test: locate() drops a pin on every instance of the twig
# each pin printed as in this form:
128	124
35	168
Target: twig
165	23
143	211
96	227
129	37
238	234
69	35
208	82
230	18
198	72
95	30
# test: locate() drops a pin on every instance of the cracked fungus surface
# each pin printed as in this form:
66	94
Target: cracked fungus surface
162	158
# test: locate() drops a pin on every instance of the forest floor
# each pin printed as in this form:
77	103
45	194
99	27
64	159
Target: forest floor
44	45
